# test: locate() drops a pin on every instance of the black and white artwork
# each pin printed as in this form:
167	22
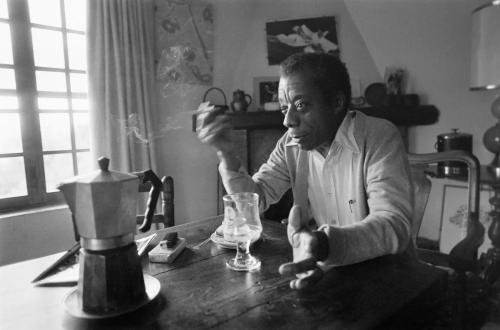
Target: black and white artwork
285	38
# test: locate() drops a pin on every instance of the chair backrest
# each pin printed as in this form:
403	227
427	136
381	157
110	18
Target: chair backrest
166	217
463	256
421	190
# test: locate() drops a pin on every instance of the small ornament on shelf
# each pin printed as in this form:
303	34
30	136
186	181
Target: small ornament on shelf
394	80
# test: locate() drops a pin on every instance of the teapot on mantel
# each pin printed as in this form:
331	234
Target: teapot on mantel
239	101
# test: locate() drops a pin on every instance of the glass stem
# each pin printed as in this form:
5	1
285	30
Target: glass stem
243	252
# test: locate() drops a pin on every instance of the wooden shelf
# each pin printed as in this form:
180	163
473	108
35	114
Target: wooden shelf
404	116
257	120
253	120
399	116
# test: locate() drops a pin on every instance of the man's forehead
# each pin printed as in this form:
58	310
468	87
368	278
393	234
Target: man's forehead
292	84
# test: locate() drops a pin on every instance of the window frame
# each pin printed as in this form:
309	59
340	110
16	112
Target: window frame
27	95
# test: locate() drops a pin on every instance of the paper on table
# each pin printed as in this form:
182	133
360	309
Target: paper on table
69	275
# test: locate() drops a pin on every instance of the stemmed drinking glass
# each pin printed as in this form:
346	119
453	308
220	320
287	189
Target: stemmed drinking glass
242	225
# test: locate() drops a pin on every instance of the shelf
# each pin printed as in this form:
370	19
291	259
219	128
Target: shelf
399	116
404	116
254	120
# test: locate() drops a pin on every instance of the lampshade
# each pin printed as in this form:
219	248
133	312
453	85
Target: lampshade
485	44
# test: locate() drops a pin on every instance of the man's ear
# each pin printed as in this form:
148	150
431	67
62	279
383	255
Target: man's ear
338	102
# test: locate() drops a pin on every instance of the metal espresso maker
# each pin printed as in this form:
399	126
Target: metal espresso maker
104	208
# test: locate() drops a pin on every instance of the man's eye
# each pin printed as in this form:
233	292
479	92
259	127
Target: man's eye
283	109
300	105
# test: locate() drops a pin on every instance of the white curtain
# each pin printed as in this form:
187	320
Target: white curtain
120	49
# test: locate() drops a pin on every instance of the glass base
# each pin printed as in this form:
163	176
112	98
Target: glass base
247	265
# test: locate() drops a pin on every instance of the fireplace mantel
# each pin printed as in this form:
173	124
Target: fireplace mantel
399	116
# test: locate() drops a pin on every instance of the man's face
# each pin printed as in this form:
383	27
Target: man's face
311	121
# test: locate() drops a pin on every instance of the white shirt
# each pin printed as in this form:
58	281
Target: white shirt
330	205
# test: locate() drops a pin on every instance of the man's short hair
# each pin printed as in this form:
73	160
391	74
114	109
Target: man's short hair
329	73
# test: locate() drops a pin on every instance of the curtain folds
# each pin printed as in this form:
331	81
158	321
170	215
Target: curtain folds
120	52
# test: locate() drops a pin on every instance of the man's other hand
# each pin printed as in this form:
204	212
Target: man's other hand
305	251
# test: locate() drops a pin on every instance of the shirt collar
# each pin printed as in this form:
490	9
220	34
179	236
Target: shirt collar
345	134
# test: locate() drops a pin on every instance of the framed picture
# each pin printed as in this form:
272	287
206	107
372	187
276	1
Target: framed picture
265	90
285	38
454	217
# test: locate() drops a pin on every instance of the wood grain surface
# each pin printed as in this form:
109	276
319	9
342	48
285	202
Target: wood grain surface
198	291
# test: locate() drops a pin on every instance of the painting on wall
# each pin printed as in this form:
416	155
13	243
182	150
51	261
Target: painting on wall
454	217
184	42
285	38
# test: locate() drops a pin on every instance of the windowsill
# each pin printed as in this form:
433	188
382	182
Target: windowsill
37	209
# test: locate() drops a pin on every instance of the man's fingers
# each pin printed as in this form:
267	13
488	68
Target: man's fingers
216	129
307	281
294	218
294	268
206	117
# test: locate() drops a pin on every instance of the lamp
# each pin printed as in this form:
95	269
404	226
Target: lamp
485	68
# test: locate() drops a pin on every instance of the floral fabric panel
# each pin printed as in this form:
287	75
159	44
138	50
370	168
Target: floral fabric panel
184	43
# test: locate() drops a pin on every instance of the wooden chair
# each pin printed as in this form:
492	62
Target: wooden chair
165	189
464	255
462	259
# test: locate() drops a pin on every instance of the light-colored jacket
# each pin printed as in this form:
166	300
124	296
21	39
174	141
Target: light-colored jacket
381	186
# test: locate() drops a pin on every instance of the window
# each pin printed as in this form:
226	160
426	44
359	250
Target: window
44	124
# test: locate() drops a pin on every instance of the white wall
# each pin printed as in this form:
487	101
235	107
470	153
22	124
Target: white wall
431	40
34	234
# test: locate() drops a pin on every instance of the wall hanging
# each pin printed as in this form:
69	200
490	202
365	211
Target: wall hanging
184	42
285	38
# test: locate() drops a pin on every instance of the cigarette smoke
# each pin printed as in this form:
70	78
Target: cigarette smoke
168	70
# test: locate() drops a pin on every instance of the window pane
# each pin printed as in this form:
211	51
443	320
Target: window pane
13	177
48	48
46	12
76	13
58	167
80	104
55	131
8	102
83	162
45	103
82	132
7	79
10	133
5	41
77	51
4	13
78	82
51	81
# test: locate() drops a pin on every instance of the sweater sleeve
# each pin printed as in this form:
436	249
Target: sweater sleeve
387	181
270	182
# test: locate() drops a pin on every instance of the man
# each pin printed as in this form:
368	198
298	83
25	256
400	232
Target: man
348	171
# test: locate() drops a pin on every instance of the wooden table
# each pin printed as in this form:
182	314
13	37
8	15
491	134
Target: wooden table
199	292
